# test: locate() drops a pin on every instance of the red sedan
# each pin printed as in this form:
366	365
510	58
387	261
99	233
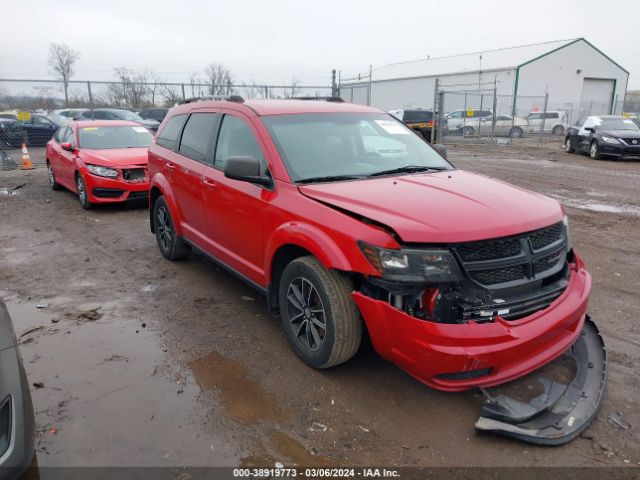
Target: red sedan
101	161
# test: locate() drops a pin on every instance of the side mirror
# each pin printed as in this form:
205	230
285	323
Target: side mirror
590	129
441	149
67	146
246	169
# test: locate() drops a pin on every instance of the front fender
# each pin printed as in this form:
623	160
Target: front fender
340	253
160	182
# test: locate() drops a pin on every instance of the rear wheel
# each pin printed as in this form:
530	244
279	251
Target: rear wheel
171	246
516	132
52	178
568	145
82	192
594	151
318	315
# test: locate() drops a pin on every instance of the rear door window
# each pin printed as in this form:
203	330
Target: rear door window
197	135
169	133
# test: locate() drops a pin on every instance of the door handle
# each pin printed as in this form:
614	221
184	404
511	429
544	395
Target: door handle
170	166
209	183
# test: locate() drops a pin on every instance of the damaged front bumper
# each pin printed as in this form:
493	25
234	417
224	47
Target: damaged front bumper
562	411
456	357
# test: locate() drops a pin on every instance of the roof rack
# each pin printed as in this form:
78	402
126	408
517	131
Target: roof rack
326	99
219	98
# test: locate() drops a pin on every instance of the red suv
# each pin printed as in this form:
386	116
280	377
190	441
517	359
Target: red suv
346	220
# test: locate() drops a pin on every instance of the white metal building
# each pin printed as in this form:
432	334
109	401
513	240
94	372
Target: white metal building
577	76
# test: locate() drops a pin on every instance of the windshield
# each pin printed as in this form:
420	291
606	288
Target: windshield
618	124
104	138
127	115
348	144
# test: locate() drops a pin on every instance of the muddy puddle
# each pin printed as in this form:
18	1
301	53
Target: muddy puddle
105	394
243	399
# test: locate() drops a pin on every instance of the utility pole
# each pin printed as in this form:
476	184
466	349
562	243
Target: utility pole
435	108
369	89
334	86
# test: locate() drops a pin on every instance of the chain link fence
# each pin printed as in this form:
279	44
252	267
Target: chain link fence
49	104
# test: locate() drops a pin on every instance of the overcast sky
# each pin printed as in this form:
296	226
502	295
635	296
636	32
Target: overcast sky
273	41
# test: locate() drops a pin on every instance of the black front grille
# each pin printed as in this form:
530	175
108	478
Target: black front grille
135	195
630	141
107	192
489	250
5	425
515	307
546	236
133	174
513	261
499	275
547	262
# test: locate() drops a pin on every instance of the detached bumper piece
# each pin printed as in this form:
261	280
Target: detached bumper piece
562	411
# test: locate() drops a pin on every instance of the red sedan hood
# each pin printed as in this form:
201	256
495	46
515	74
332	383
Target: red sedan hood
443	207
116	157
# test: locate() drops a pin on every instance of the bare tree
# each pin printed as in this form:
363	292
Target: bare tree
194	80
252	90
218	79
154	88
170	96
134	86
62	59
292	90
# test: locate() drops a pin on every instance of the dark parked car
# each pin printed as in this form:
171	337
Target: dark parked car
35	132
605	136
418	120
157	114
117	114
17	427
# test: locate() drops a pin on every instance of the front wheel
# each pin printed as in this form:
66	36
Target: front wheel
516	132
318	315
468	131
171	246
568	146
558	130
83	197
594	151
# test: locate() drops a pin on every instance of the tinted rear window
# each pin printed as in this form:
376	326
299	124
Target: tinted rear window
417	116
197	134
170	132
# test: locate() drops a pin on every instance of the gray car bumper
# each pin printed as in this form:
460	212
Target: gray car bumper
14	389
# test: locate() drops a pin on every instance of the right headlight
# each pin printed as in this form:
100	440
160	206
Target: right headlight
102	171
565	223
413	265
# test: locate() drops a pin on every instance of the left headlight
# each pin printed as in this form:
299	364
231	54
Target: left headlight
413	265
102	171
608	139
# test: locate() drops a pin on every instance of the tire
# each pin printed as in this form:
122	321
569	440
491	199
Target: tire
468	132
558	130
52	178
594	151
82	192
568	145
516	132
309	292
171	246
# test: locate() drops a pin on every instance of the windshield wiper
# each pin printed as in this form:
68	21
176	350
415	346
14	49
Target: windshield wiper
329	178
408	169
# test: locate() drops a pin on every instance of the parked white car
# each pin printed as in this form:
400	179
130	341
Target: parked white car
555	122
505	126
458	119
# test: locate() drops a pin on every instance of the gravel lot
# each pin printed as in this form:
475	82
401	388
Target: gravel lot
148	362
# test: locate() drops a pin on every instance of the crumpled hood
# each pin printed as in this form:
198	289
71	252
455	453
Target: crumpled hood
442	207
116	157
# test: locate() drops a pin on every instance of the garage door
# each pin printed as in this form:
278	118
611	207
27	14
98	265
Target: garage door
596	96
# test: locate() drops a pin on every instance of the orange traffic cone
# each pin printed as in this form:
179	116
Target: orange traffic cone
26	159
